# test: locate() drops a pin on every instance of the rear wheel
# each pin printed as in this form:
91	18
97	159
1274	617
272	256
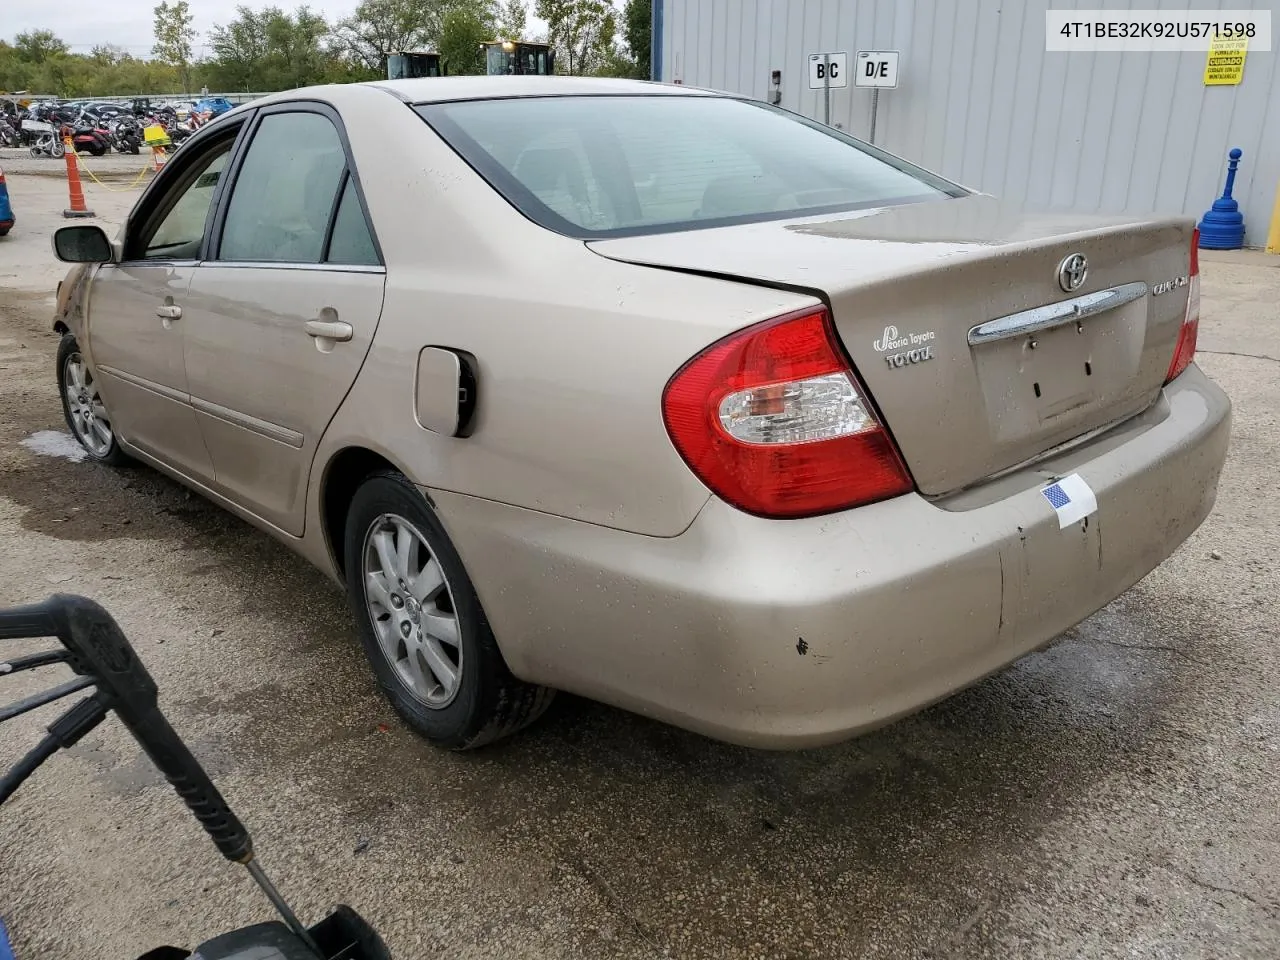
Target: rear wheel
422	626
83	408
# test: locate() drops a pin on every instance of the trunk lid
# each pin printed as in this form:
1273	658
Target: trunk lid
908	284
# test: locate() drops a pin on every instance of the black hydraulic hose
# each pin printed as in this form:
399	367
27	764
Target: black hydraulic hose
64	732
47	696
42	751
30	661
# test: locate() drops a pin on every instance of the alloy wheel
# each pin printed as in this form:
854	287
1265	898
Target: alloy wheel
412	610
88	415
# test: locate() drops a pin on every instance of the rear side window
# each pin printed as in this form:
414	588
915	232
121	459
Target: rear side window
596	167
284	192
351	242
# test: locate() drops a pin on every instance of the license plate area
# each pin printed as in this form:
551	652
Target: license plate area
1034	383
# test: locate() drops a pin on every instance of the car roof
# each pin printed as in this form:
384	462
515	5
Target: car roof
439	89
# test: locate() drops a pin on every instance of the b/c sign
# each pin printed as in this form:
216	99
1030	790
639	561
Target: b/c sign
876	68
827	68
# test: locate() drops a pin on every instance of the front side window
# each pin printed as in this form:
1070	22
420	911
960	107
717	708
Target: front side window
284	193
179	232
606	166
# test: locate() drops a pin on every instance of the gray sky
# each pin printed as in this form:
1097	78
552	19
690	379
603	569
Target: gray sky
127	23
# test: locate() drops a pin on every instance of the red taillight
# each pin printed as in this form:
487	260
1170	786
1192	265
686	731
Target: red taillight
773	420
1185	351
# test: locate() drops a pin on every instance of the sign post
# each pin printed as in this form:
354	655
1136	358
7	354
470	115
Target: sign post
878	70
828	70
826	89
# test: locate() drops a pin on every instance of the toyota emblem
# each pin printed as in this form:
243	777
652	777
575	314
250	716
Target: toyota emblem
1072	271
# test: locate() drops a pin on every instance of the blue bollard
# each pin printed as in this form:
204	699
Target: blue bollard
1222	226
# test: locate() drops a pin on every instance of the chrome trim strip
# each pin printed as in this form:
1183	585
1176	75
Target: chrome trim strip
169	393
319	267
262	428
1056	314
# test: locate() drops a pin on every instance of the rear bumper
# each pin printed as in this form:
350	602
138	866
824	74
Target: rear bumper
804	632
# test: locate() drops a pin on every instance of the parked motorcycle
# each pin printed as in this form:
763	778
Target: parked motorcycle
45	138
88	138
126	134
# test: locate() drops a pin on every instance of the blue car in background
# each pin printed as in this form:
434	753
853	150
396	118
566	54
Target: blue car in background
214	106
6	209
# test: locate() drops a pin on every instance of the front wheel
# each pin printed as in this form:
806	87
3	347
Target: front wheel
421	624
83	408
58	150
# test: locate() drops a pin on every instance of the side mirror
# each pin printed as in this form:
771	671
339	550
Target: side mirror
82	243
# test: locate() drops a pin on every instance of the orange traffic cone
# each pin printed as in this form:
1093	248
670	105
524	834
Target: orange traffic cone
158	157
77	208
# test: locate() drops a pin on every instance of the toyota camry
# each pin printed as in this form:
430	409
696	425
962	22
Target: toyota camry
665	397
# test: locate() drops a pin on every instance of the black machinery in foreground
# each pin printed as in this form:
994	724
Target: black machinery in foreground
104	664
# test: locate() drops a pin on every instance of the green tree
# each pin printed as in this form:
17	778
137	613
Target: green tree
381	27
37	46
270	49
107	55
464	29
582	31
512	20
39	62
637	19
174	33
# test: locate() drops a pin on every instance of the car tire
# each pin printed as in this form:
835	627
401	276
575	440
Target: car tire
86	415
406	610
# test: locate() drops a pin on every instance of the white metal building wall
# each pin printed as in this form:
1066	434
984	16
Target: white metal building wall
980	100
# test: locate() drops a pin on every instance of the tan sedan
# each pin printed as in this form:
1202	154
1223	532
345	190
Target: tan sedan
670	399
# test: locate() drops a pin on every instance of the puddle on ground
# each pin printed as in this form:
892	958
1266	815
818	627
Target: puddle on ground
54	443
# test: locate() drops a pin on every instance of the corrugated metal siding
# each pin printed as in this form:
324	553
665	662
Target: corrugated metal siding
981	101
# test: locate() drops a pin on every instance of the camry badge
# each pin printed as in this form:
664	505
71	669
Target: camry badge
1072	272
1168	285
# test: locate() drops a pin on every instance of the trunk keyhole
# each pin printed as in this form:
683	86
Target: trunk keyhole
1088	369
1036	387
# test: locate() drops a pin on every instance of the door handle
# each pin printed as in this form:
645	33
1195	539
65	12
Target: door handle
329	330
169	311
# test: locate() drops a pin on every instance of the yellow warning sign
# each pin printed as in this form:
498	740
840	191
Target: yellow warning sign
1225	63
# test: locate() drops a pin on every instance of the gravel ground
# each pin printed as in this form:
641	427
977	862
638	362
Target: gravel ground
1114	796
110	167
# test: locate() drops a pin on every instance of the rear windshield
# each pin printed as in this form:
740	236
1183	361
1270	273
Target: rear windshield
610	166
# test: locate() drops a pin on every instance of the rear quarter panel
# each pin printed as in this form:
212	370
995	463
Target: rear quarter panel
573	350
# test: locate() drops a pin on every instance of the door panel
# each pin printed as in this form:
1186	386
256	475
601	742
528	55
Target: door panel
135	318
139	362
263	388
